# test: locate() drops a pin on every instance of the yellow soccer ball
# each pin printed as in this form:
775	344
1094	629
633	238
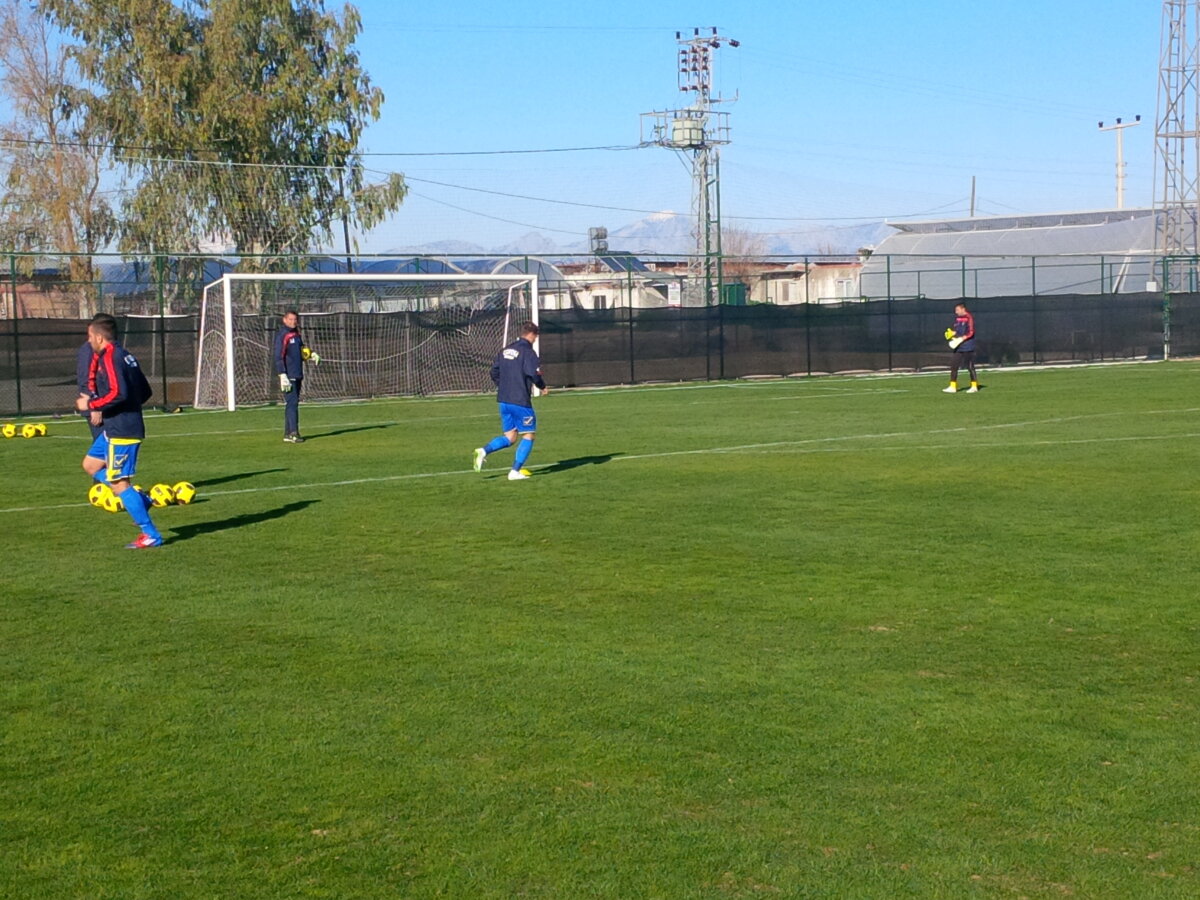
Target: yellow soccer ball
97	493
305	353
8	430
112	503
41	429
28	431
162	495
185	492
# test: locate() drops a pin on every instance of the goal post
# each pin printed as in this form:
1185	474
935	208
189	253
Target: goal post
377	334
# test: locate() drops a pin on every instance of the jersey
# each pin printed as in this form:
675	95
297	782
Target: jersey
515	372
964	327
118	388
289	360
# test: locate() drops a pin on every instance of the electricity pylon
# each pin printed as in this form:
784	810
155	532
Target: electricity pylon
697	130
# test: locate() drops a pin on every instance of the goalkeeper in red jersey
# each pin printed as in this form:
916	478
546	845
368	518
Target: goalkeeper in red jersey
961	337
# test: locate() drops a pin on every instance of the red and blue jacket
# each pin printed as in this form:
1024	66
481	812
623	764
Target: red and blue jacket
964	327
118	389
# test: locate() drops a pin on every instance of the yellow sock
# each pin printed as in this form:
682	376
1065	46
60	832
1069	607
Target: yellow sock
954	384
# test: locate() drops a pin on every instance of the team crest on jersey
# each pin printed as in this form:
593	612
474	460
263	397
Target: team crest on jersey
510	353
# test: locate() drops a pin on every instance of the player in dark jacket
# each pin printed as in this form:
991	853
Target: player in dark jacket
290	354
116	390
962	343
516	371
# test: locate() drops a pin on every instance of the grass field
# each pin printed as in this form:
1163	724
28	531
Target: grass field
840	637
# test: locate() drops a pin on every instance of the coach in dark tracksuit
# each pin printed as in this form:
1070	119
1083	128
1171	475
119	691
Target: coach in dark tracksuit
289	366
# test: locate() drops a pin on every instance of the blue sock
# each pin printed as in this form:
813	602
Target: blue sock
497	443
135	505
523	450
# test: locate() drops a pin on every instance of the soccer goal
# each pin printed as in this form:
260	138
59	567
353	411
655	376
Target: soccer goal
377	335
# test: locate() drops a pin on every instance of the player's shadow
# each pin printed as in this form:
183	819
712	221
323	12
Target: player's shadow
326	434
187	532
225	479
564	464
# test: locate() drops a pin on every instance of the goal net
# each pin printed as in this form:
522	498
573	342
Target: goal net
377	335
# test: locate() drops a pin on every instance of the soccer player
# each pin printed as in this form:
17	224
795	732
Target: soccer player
963	345
116	390
515	372
83	371
290	354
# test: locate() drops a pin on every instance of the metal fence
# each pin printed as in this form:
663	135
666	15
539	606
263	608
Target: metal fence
157	317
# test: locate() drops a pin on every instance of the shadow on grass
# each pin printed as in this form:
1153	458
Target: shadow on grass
225	479
326	434
187	532
564	464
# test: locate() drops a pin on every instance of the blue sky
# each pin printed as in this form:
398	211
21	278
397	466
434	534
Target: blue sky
845	112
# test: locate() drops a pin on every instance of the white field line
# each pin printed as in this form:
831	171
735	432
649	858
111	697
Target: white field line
958	445
804	445
335	426
819	394
962	429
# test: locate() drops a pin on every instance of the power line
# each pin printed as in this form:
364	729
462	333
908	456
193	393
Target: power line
507	152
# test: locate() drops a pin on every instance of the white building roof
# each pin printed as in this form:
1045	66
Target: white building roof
1106	251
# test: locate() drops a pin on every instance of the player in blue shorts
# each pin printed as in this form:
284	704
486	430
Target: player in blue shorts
116	390
516	371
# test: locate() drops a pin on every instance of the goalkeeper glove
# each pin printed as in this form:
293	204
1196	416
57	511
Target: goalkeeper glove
314	358
954	343
285	383
949	333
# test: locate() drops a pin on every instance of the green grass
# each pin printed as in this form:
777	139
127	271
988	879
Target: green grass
844	637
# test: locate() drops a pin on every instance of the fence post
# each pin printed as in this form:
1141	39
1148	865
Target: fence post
159	264
1033	295
16	317
889	329
629	329
808	315
1166	309
632	355
720	333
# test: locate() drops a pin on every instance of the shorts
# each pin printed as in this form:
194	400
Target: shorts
119	454
521	419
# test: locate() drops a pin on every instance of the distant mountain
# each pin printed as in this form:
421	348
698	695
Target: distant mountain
670	234
439	248
534	243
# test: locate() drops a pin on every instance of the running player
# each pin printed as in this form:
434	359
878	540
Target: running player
515	372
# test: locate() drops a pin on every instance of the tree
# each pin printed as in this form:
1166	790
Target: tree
52	169
238	119
742	251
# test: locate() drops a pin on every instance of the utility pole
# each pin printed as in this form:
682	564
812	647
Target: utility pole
1119	128
697	130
